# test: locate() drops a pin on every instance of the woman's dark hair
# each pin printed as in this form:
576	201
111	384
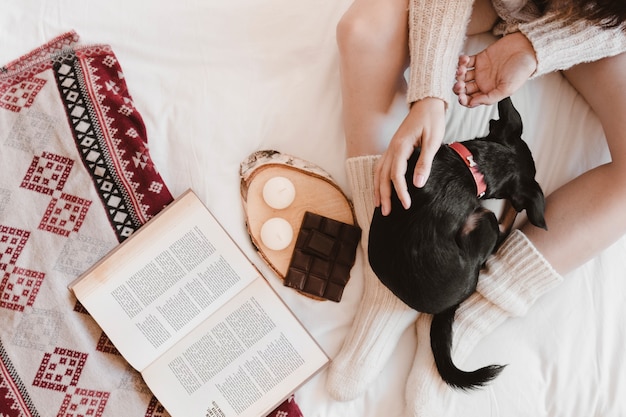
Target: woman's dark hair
606	13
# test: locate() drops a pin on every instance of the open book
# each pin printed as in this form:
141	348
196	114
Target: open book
186	308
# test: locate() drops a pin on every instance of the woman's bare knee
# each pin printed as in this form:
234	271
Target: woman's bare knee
373	25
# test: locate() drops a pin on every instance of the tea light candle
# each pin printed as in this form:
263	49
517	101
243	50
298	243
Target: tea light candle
276	233
279	192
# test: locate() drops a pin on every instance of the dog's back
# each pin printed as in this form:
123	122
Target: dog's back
415	252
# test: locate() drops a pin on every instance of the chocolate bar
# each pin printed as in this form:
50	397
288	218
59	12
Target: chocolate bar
323	256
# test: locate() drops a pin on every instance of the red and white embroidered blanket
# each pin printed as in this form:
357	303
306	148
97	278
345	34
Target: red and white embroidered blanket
76	180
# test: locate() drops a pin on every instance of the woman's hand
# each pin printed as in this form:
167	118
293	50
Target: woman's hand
423	127
495	73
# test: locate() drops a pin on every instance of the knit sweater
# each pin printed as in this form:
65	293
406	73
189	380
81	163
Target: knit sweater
437	32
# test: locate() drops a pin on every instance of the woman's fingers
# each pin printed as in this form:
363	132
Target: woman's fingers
390	173
465	86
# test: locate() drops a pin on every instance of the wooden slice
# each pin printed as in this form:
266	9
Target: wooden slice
315	192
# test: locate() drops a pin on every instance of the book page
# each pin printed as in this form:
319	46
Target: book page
241	362
164	280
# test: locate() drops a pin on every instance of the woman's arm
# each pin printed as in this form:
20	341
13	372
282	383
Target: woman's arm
547	44
437	30
436	33
561	43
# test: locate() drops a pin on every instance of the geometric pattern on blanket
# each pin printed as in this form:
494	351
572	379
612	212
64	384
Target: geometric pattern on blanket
76	179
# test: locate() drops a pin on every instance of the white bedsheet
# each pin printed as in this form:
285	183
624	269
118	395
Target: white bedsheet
217	80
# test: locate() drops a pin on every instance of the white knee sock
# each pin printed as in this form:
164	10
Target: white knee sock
381	317
513	278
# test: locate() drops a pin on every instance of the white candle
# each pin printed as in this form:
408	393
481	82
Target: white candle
279	192
276	233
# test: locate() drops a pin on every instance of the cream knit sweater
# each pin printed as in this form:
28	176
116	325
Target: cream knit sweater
437	33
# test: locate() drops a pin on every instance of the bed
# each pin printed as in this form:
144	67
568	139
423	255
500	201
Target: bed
215	81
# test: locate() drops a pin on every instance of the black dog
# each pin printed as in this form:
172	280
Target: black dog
430	255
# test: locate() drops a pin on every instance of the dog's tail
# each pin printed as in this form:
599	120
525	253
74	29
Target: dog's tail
441	345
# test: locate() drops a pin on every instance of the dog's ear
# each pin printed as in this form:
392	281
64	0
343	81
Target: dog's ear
530	198
508	127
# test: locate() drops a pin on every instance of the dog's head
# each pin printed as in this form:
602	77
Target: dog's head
516	183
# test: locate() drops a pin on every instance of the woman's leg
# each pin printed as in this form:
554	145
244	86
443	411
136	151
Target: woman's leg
511	281
373	46
372	39
586	215
373	49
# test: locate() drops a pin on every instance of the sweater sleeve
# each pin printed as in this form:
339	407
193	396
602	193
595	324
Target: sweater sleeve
436	34
561	44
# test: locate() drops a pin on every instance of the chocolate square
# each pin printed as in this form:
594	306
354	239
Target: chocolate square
311	222
350	235
321	267
340	274
296	279
332	228
315	285
323	257
334	291
302	237
301	260
345	253
320	244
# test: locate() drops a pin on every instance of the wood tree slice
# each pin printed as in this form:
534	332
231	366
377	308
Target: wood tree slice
315	192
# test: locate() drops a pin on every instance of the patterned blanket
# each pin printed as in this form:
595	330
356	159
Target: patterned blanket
76	180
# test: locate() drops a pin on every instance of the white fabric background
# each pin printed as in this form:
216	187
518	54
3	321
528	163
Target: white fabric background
217	80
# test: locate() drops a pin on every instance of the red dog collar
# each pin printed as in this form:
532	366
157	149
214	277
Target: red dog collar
468	158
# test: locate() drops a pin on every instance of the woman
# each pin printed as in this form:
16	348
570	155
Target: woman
584	39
